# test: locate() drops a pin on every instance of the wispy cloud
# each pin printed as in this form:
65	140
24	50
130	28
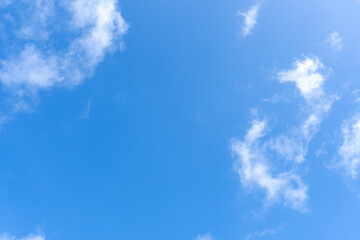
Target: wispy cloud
265	232
259	158
95	28
34	20
254	170
207	236
30	69
86	112
349	151
335	41
30	237
306	75
249	19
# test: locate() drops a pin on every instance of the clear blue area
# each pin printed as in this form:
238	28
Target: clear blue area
152	160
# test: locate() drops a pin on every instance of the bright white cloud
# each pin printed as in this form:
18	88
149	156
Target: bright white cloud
306	77
103	25
30	237
92	28
254	170
207	236
249	19
335	41
349	151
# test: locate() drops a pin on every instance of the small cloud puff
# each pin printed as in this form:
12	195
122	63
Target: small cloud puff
305	74
249	19
257	160
335	41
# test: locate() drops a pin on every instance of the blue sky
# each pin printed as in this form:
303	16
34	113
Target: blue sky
200	120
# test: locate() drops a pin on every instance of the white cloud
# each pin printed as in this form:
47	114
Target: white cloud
259	160
35	20
30	237
306	77
335	41
309	81
254	170
92	28
349	151
207	236
30	69
249	19
290	147
293	146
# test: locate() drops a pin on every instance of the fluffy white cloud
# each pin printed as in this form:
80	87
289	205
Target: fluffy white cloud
349	151
249	19
335	41
89	30
30	237
254	170
306	77
102	26
207	236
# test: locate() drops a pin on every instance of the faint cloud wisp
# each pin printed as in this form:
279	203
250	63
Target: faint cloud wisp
349	151
249	19
335	41
206	236
30	237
